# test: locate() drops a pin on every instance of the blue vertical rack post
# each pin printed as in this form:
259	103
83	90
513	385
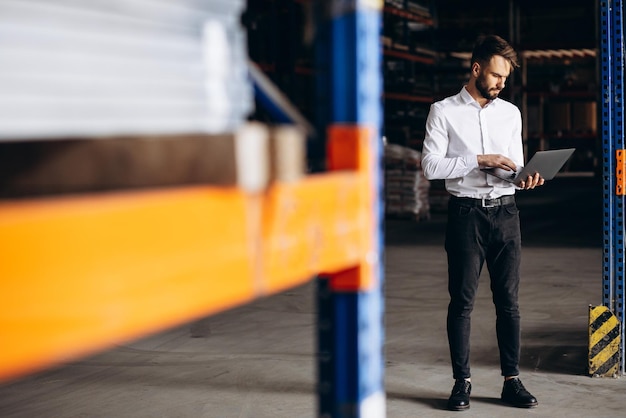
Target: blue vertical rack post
612	127
608	166
617	64
349	91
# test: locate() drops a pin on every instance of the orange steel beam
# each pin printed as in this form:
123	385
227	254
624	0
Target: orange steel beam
350	148
317	228
80	274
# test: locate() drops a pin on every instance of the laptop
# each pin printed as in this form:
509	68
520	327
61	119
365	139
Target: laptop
546	163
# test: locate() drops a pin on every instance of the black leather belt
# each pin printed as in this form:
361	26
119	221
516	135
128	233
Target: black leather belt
485	203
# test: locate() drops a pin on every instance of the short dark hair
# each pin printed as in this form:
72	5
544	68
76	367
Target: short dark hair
488	46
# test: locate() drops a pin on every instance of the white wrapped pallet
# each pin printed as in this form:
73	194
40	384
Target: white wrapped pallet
406	188
71	68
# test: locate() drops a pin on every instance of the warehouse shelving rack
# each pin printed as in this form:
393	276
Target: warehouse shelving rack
564	115
350	315
82	273
409	62
612	129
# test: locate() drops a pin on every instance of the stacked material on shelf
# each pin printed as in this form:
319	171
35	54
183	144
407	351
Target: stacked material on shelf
395	3
419	8
121	67
406	188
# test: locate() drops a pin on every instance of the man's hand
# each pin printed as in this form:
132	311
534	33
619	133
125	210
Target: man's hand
496	160
500	161
531	182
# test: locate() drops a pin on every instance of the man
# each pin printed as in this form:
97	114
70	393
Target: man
464	133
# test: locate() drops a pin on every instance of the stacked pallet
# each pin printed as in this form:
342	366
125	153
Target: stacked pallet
406	188
119	94
105	68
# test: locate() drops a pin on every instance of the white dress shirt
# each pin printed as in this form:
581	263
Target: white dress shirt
457	130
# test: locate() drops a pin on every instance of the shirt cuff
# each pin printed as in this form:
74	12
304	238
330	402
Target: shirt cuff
471	161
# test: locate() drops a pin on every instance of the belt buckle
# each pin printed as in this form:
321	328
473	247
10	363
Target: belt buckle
485	203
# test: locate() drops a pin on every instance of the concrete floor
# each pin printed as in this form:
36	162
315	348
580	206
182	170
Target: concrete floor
257	361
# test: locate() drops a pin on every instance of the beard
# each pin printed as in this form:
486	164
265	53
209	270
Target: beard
484	90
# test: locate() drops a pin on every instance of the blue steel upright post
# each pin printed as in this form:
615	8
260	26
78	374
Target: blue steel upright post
617	29
349	91
612	127
608	164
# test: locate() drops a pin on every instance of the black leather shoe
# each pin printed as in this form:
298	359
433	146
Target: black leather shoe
460	397
514	393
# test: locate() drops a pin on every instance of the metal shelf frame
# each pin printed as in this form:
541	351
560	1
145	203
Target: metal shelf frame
81	273
350	310
612	129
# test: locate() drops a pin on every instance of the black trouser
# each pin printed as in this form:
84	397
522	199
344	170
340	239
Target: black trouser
476	234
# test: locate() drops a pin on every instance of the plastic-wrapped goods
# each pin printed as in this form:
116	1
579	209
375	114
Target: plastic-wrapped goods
95	68
406	188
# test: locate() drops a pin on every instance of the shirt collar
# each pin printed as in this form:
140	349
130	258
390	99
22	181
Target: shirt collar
467	98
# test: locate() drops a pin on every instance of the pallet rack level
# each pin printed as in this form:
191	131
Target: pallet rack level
80	274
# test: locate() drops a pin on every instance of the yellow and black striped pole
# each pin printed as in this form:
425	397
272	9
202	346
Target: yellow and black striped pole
604	342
